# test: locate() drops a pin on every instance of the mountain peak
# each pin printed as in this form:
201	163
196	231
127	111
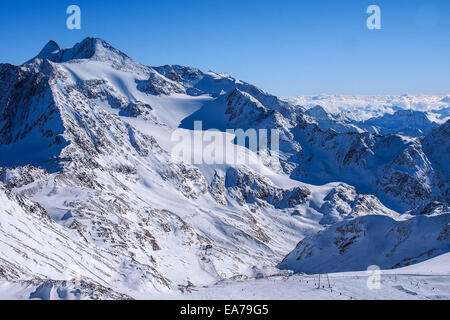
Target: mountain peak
90	48
50	48
318	112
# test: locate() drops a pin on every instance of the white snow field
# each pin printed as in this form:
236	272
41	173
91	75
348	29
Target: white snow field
426	280
94	205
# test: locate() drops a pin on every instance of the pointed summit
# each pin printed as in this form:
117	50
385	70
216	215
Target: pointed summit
90	48
95	48
318	112
50	49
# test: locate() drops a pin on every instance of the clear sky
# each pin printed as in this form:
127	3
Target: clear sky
286	47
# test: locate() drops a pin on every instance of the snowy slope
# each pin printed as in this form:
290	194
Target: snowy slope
319	148
372	240
85	136
425	280
428	280
395	168
35	248
112	183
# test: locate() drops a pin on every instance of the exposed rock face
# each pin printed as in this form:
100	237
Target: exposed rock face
435	208
436	146
395	168
328	121
158	85
373	240
319	148
67	290
241	104
218	189
105	197
90	192
29	229
29	118
22	176
92	49
343	202
406	122
248	187
199	82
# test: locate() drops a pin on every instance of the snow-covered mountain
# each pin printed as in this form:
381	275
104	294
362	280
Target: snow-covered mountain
92	200
396	168
361	108
372	240
406	122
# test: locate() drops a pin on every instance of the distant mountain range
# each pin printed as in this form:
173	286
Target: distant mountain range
363	107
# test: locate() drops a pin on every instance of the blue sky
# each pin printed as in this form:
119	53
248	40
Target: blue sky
287	47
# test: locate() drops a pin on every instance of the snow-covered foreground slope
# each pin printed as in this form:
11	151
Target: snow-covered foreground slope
95	205
343	287
426	280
